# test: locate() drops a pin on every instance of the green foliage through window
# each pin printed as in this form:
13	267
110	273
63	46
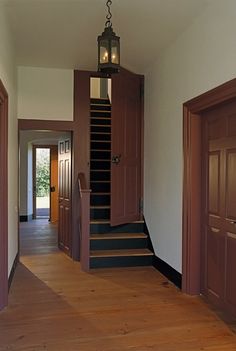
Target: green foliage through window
42	172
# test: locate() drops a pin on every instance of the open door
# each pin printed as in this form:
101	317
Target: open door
126	148
54	184
4	197
64	223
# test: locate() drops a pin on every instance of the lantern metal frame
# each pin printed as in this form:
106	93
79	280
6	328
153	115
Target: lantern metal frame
110	62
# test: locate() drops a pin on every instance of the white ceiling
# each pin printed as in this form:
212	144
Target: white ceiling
63	33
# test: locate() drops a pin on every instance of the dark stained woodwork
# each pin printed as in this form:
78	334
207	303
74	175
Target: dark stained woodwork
126	143
64	192
73	127
220	229
193	254
82	114
214	183
4	196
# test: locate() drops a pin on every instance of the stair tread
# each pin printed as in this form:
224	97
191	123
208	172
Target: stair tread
106	111
99	104
99	160
118	236
101	125
99	133
103	150
101	193
100	141
105	221
100	117
100	170
120	253
99	207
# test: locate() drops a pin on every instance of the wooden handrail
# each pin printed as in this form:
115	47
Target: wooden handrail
82	182
84	222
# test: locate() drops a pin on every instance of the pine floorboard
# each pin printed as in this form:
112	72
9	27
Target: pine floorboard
54	306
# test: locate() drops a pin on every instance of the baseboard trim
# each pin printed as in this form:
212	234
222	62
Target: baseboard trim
16	260
26	218
168	271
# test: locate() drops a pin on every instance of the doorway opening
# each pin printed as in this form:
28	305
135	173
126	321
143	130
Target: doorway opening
41	180
4	196
198	186
45	182
45	229
100	148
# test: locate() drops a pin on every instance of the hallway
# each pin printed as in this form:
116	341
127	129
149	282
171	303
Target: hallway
54	306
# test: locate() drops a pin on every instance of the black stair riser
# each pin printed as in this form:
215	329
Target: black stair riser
100	121
99	213
106	155
95	175
100	129
118	244
100	164
100	114
100	187
100	146
101	107
101	137
100	200
100	228
99	101
130	261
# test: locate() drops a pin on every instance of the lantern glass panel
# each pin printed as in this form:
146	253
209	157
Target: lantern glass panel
114	52
104	47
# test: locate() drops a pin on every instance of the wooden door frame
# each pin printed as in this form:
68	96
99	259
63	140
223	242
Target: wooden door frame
192	182
4	196
82	114
64	126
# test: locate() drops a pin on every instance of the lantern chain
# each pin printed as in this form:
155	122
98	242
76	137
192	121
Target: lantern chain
109	15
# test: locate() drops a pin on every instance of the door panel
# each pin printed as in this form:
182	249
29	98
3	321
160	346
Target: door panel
214	182
64	226
220	227
231	184
126	139
230	295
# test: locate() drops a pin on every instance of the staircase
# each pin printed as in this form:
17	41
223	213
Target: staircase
120	246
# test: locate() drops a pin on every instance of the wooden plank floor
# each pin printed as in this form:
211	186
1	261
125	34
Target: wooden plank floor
53	306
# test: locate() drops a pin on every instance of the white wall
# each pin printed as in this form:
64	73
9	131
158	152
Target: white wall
203	57
8	77
95	88
45	93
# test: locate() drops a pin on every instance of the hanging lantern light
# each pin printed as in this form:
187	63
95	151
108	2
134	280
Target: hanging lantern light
108	47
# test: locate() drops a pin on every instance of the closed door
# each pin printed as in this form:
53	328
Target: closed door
220	206
126	148
64	224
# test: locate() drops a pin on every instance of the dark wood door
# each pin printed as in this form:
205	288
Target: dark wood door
64	184
220	224
126	148
4	196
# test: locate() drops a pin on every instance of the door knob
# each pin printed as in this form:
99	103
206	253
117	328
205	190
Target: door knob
52	189
232	222
116	159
